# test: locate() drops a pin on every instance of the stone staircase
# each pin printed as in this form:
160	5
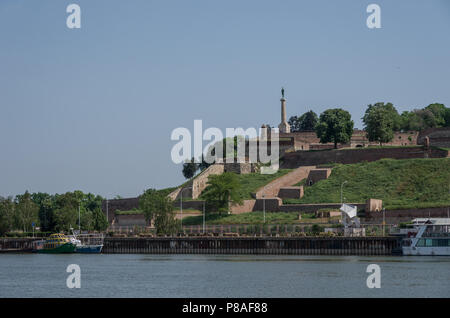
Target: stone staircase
272	189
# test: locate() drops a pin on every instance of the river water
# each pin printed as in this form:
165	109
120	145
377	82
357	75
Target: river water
143	275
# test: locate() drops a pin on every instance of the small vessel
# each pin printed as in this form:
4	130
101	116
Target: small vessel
87	243
55	243
431	236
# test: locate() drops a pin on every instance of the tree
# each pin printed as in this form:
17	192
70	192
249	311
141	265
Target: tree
100	221
6	215
26	211
190	168
46	210
426	118
447	117
66	218
434	115
379	123
86	220
222	190
306	122
335	125
159	207
294	122
439	112
390	109
66	210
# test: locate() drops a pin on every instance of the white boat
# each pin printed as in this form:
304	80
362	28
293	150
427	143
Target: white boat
432	237
87	243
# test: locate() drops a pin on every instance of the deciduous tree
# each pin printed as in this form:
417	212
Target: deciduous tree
335	125
222	190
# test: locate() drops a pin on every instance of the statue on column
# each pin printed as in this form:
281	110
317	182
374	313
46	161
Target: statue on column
282	92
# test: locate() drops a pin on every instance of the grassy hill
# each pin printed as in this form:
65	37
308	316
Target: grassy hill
253	181
399	183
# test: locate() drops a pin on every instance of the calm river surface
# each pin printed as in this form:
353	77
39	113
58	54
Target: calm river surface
38	275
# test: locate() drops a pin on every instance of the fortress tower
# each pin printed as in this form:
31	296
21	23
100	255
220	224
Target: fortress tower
284	127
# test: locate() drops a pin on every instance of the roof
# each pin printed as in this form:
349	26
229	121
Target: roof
434	221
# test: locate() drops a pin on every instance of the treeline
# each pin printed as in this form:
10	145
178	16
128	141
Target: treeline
52	213
433	116
380	120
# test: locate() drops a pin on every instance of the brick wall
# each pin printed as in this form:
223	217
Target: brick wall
291	192
316	175
131	220
308	158
200	182
308	208
307	140
410	213
194	188
119	204
439	137
246	206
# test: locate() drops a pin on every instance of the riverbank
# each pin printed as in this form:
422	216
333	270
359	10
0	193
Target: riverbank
238	245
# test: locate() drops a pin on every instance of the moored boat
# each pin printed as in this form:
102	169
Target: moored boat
55	244
87	243
431	237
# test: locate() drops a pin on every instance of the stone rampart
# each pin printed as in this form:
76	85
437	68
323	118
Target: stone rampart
347	156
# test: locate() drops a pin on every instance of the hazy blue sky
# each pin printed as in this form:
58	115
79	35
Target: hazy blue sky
93	108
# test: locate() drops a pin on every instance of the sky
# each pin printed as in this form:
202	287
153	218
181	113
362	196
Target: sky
93	109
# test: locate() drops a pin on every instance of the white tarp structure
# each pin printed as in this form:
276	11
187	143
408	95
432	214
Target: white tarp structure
349	217
348	209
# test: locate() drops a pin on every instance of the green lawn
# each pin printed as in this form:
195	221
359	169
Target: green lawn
253	181
399	183
249	218
133	211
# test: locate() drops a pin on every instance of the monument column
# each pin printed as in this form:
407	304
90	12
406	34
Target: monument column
284	126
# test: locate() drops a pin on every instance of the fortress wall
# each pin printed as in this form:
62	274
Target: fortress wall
291	192
306	140
119	204
439	137
195	205
200	182
246	206
316	175
307	158
194	188
131	220
309	208
408	214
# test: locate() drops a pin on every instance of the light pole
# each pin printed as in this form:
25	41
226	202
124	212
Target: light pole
342	185
181	205
384	220
264	206
204	217
107	213
79	219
